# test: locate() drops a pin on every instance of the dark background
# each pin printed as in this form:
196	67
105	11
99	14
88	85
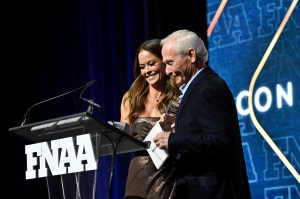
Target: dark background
54	46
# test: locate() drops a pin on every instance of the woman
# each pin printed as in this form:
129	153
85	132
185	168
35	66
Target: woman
142	106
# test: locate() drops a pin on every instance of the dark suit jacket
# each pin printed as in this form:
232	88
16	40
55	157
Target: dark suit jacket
207	142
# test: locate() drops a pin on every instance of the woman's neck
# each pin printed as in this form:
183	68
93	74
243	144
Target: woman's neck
155	95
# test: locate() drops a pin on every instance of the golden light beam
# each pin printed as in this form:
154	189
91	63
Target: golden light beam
253	80
216	17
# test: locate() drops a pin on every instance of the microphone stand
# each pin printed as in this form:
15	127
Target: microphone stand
27	114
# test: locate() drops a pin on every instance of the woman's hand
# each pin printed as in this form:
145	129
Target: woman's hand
167	122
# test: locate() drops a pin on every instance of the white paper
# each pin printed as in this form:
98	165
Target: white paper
157	155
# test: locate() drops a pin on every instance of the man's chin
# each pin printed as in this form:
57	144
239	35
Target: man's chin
178	81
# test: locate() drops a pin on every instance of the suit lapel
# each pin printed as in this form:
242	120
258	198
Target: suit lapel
207	71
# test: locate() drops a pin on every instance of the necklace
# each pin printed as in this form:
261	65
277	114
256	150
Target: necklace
154	99
152	104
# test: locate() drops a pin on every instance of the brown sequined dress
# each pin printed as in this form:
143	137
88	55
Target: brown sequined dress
144	181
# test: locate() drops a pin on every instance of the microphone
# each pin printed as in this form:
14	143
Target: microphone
94	104
91	102
27	114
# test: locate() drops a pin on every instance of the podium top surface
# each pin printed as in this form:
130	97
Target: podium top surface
78	124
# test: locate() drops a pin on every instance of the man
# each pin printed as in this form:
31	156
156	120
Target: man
206	141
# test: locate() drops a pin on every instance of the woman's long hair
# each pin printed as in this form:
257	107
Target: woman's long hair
138	92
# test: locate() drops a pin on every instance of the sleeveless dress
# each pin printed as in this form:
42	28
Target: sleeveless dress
144	181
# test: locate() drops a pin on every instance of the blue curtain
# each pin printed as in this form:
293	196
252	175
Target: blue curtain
60	45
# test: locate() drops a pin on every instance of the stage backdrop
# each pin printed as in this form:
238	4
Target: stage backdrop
254	46
59	45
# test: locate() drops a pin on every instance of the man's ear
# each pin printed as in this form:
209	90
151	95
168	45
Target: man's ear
192	55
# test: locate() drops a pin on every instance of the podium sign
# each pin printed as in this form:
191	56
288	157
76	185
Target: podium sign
77	153
65	151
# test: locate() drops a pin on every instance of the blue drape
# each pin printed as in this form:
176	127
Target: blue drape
59	45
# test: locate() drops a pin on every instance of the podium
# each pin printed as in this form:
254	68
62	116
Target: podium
66	149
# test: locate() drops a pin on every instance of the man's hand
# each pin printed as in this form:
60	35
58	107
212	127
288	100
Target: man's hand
161	139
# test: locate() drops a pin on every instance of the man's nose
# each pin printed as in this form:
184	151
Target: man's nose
168	70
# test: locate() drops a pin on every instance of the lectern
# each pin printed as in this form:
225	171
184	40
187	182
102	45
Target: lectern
65	151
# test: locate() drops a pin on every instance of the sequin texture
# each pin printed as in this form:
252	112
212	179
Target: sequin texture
144	180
